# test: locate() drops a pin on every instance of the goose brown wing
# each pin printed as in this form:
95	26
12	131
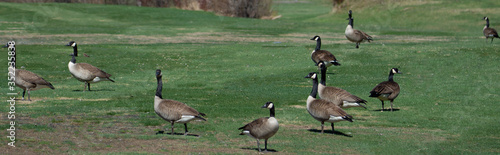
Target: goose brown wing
32	78
323	55
94	70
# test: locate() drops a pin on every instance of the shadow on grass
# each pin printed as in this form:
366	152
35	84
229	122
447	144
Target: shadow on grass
256	149
330	132
389	110
164	133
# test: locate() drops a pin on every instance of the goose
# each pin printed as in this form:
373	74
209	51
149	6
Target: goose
262	128
347	100
85	72
354	35
324	56
174	111
387	90
323	110
489	32
24	79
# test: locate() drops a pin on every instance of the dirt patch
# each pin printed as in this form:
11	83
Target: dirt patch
67	134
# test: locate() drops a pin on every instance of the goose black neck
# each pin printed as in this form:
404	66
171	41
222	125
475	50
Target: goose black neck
73	60
271	112
351	22
159	87
75	51
391	76
487	22
318	44
314	90
323	75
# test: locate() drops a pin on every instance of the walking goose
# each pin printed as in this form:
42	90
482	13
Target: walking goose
262	128
354	35
85	72
324	56
323	110
24	79
489	32
387	90
332	94
173	111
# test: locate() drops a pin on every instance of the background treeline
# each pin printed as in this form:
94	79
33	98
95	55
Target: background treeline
232	8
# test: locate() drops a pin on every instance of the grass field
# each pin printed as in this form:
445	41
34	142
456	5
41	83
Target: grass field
228	67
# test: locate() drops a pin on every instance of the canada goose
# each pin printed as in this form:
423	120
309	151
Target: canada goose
24	79
354	35
489	32
347	100
324	56
323	110
174	111
262	128
387	90
85	72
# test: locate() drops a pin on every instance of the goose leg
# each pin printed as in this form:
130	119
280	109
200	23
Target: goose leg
185	129
29	92
24	91
382	110
265	146
391	105
172	126
491	40
332	128
322	125
258	145
357	45
84	86
88	85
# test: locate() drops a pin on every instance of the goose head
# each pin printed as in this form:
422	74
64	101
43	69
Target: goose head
396	71
268	105
312	75
316	38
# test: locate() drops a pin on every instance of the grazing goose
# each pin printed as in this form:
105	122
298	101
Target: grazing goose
489	32
347	100
354	35
24	79
324	56
262	128
323	110
85	72
387	90
174	111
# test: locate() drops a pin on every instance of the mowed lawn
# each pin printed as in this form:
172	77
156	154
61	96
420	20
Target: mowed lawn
229	67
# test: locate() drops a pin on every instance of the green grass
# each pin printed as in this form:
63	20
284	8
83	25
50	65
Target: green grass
228	67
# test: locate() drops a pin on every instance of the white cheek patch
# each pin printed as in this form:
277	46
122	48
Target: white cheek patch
270	106
73	45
